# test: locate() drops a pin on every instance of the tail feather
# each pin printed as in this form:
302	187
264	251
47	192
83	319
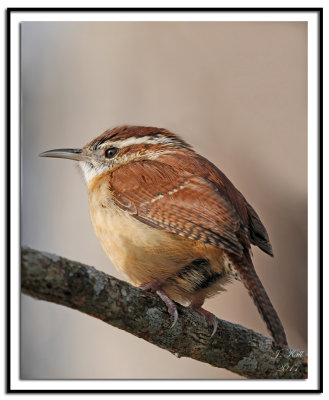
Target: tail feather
257	231
257	292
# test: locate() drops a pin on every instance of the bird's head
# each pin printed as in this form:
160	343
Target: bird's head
120	146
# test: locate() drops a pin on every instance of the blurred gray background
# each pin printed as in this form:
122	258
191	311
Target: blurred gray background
236	91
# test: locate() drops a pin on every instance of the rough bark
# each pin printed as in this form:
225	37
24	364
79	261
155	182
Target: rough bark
56	279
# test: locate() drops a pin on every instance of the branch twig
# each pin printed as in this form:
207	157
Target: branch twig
81	287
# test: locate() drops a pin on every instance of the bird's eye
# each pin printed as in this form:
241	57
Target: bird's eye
111	152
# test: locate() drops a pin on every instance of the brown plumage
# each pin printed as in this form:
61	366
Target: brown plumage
171	221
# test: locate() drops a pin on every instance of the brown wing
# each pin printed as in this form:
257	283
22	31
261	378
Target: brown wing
191	206
191	162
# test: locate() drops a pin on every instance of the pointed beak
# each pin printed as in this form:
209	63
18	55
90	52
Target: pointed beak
71	154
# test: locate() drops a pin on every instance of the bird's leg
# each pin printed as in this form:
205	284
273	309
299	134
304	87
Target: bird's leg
152	286
210	317
155	286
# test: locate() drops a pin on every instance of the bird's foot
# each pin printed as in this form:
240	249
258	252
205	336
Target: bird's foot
155	286
171	306
210	317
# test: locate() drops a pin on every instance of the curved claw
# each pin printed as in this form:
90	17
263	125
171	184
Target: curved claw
175	318
210	317
171	306
215	325
154	286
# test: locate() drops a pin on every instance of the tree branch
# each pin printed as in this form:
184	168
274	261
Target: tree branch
81	287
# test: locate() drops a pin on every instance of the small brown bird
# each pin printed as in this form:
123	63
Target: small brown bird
170	220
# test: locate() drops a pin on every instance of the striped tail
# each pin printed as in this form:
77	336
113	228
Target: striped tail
257	292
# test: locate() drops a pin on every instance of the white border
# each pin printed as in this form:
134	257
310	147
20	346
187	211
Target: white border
312	381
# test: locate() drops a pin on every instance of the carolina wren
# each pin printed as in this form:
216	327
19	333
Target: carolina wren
170	220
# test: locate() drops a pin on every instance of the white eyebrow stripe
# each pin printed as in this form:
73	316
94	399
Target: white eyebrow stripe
144	139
